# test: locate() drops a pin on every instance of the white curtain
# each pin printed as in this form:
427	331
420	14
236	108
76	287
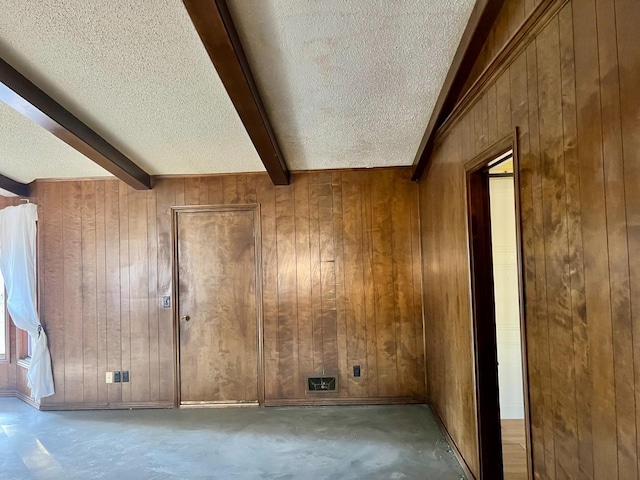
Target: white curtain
18	266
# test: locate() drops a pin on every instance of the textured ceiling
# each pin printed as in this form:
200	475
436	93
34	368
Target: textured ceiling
350	83
136	72
28	151
345	84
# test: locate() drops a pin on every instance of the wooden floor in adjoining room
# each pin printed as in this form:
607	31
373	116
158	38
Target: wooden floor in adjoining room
514	450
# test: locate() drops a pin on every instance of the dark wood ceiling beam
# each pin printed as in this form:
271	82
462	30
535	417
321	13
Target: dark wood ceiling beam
481	21
17	188
215	27
27	99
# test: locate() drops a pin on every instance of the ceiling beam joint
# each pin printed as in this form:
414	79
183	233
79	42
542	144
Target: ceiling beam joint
24	97
483	16
15	187
216	29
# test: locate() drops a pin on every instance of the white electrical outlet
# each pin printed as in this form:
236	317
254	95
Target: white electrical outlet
109	377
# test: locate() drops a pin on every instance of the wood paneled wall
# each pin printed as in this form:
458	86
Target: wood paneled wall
573	92
341	284
510	19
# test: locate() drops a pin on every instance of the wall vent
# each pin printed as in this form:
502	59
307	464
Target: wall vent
321	384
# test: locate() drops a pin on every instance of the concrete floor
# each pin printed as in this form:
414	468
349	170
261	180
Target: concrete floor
369	442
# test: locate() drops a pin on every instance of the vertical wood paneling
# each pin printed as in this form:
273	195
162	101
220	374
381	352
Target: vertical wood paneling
165	197
341	288
576	260
153	295
386	355
594	234
626	22
266	198
617	238
72	291
572	92
539	254
327	272
125	287
288	366
51	274
89	293
408	376
339	283
139	296
101	291
113	287
369	334
304	327
353	277
316	279
557	255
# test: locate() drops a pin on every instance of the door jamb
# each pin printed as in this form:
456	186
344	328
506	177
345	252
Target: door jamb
483	309
257	234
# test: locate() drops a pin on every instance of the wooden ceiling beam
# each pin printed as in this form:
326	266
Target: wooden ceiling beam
483	16
25	98
10	185
215	27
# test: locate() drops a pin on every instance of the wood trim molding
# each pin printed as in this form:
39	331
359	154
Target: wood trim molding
28	400
20	396
475	34
523	314
104	406
298	402
452	444
255	208
493	151
24	97
11	185
544	12
214	25
483	309
485	349
219	405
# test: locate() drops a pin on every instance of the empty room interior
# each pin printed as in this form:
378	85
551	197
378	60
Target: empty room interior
321	240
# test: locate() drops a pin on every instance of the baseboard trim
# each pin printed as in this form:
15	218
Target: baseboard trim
105	406
302	402
27	399
454	447
20	396
219	405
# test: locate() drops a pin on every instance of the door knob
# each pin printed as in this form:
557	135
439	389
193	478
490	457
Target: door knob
186	318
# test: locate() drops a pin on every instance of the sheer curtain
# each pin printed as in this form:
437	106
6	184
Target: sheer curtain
18	266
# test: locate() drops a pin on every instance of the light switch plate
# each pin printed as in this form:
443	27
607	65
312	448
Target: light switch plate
109	377
166	301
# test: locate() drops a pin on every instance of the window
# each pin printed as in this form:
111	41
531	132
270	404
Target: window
4	324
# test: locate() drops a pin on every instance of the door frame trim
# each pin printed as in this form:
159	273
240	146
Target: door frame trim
483	308
257	234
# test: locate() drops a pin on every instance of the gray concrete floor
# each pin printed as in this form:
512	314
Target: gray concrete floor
368	442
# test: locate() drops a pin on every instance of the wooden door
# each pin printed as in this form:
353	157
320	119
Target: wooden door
218	311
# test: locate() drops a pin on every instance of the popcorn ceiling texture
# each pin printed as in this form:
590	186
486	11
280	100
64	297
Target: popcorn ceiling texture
28	151
136	72
350	83
345	83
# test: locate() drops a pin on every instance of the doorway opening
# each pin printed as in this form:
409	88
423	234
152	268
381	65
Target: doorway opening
218	313
498	314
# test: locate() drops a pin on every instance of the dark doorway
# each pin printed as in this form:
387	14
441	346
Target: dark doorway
495	173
